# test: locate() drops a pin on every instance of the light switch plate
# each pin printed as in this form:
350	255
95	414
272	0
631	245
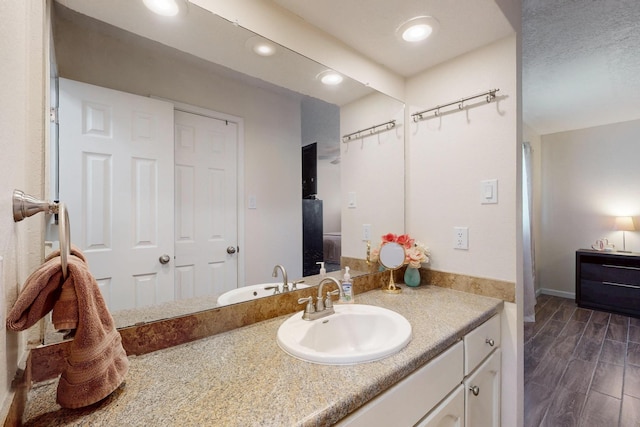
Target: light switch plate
489	191
352	200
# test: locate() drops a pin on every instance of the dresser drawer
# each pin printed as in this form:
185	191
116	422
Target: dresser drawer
480	342
610	296
603	272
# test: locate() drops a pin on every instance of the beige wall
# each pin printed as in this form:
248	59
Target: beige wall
450	155
589	176
21	166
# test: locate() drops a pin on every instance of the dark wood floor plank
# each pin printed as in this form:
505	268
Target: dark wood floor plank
633	353
613	352
608	379
581	315
564	313
577	376
588	349
553	327
600	410
600	317
632	381
549	370
565	408
536	402
595	331
634	333
617	332
630	415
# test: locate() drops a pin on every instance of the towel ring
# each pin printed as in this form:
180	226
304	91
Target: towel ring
64	235
25	205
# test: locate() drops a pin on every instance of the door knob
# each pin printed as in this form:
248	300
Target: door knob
475	390
231	250
164	259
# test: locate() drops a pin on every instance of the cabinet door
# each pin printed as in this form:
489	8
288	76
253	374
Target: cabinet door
482	394
450	413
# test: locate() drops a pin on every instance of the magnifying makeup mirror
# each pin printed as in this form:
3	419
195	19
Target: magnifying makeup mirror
392	257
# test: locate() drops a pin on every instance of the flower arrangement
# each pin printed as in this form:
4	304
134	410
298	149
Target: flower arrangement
415	253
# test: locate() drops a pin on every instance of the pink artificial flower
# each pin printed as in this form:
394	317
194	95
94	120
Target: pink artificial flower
389	237
405	241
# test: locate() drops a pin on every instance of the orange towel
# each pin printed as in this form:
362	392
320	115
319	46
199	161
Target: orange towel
96	363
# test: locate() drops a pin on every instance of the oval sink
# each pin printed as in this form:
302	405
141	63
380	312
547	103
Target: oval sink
247	293
356	333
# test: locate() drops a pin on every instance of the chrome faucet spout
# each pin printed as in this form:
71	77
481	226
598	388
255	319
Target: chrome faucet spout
285	280
322	308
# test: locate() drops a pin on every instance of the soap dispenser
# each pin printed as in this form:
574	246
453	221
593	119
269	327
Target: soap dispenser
323	271
347	288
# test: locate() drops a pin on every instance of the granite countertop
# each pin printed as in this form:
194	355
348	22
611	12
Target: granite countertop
242	377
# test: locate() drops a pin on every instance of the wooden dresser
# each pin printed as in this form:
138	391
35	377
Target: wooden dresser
608	281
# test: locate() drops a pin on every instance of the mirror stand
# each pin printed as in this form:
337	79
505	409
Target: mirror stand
391	257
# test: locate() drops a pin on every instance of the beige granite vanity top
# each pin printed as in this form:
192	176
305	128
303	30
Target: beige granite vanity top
242	377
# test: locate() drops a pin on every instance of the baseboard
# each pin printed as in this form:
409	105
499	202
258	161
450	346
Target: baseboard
555	293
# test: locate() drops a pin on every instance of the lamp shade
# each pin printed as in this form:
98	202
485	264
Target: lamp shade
625	223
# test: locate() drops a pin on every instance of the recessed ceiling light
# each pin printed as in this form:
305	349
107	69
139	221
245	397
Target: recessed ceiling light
418	28
166	7
330	77
261	46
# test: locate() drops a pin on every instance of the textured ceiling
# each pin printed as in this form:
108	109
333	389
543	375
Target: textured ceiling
581	63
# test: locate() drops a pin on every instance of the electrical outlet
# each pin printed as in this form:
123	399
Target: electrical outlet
461	238
366	232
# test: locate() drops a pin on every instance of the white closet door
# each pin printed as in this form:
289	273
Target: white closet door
206	205
116	176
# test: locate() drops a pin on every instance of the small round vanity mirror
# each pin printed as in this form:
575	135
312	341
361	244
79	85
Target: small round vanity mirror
392	257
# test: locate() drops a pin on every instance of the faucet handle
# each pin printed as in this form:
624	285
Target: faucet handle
276	289
309	307
328	302
294	285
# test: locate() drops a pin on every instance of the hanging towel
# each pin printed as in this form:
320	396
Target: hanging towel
96	363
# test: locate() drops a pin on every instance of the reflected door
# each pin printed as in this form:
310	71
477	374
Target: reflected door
116	177
205	205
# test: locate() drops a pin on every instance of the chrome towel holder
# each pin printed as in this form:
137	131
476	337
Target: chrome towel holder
26	205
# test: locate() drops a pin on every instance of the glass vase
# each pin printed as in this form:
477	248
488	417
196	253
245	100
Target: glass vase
412	277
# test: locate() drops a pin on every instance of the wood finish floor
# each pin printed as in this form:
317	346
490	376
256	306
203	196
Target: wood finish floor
581	367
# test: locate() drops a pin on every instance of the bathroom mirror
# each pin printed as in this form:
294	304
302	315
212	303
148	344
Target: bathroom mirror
391	257
168	66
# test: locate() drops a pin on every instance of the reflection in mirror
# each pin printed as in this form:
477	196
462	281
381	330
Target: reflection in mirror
392	257
276	102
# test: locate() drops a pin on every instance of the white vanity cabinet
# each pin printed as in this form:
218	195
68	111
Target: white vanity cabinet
458	388
482	375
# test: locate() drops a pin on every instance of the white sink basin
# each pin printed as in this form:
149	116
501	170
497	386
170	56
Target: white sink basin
356	333
247	293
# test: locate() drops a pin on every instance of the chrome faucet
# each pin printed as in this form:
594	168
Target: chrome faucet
285	280
322	308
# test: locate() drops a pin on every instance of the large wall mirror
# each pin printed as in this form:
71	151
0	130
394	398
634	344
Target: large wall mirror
200	64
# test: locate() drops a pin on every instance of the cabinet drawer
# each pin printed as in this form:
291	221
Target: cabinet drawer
449	413
607	295
407	402
603	272
480	342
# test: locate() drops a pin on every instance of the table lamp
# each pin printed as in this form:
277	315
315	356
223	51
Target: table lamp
624	223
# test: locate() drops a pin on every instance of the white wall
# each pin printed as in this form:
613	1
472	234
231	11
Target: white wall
589	176
272	129
21	167
372	168
451	154
448	156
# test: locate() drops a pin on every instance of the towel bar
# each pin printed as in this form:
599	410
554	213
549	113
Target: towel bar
25	205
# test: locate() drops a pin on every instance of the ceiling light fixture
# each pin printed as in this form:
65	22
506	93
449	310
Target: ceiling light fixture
166	7
330	78
261	46
418	28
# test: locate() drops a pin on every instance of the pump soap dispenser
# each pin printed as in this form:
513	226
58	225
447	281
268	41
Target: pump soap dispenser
347	288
